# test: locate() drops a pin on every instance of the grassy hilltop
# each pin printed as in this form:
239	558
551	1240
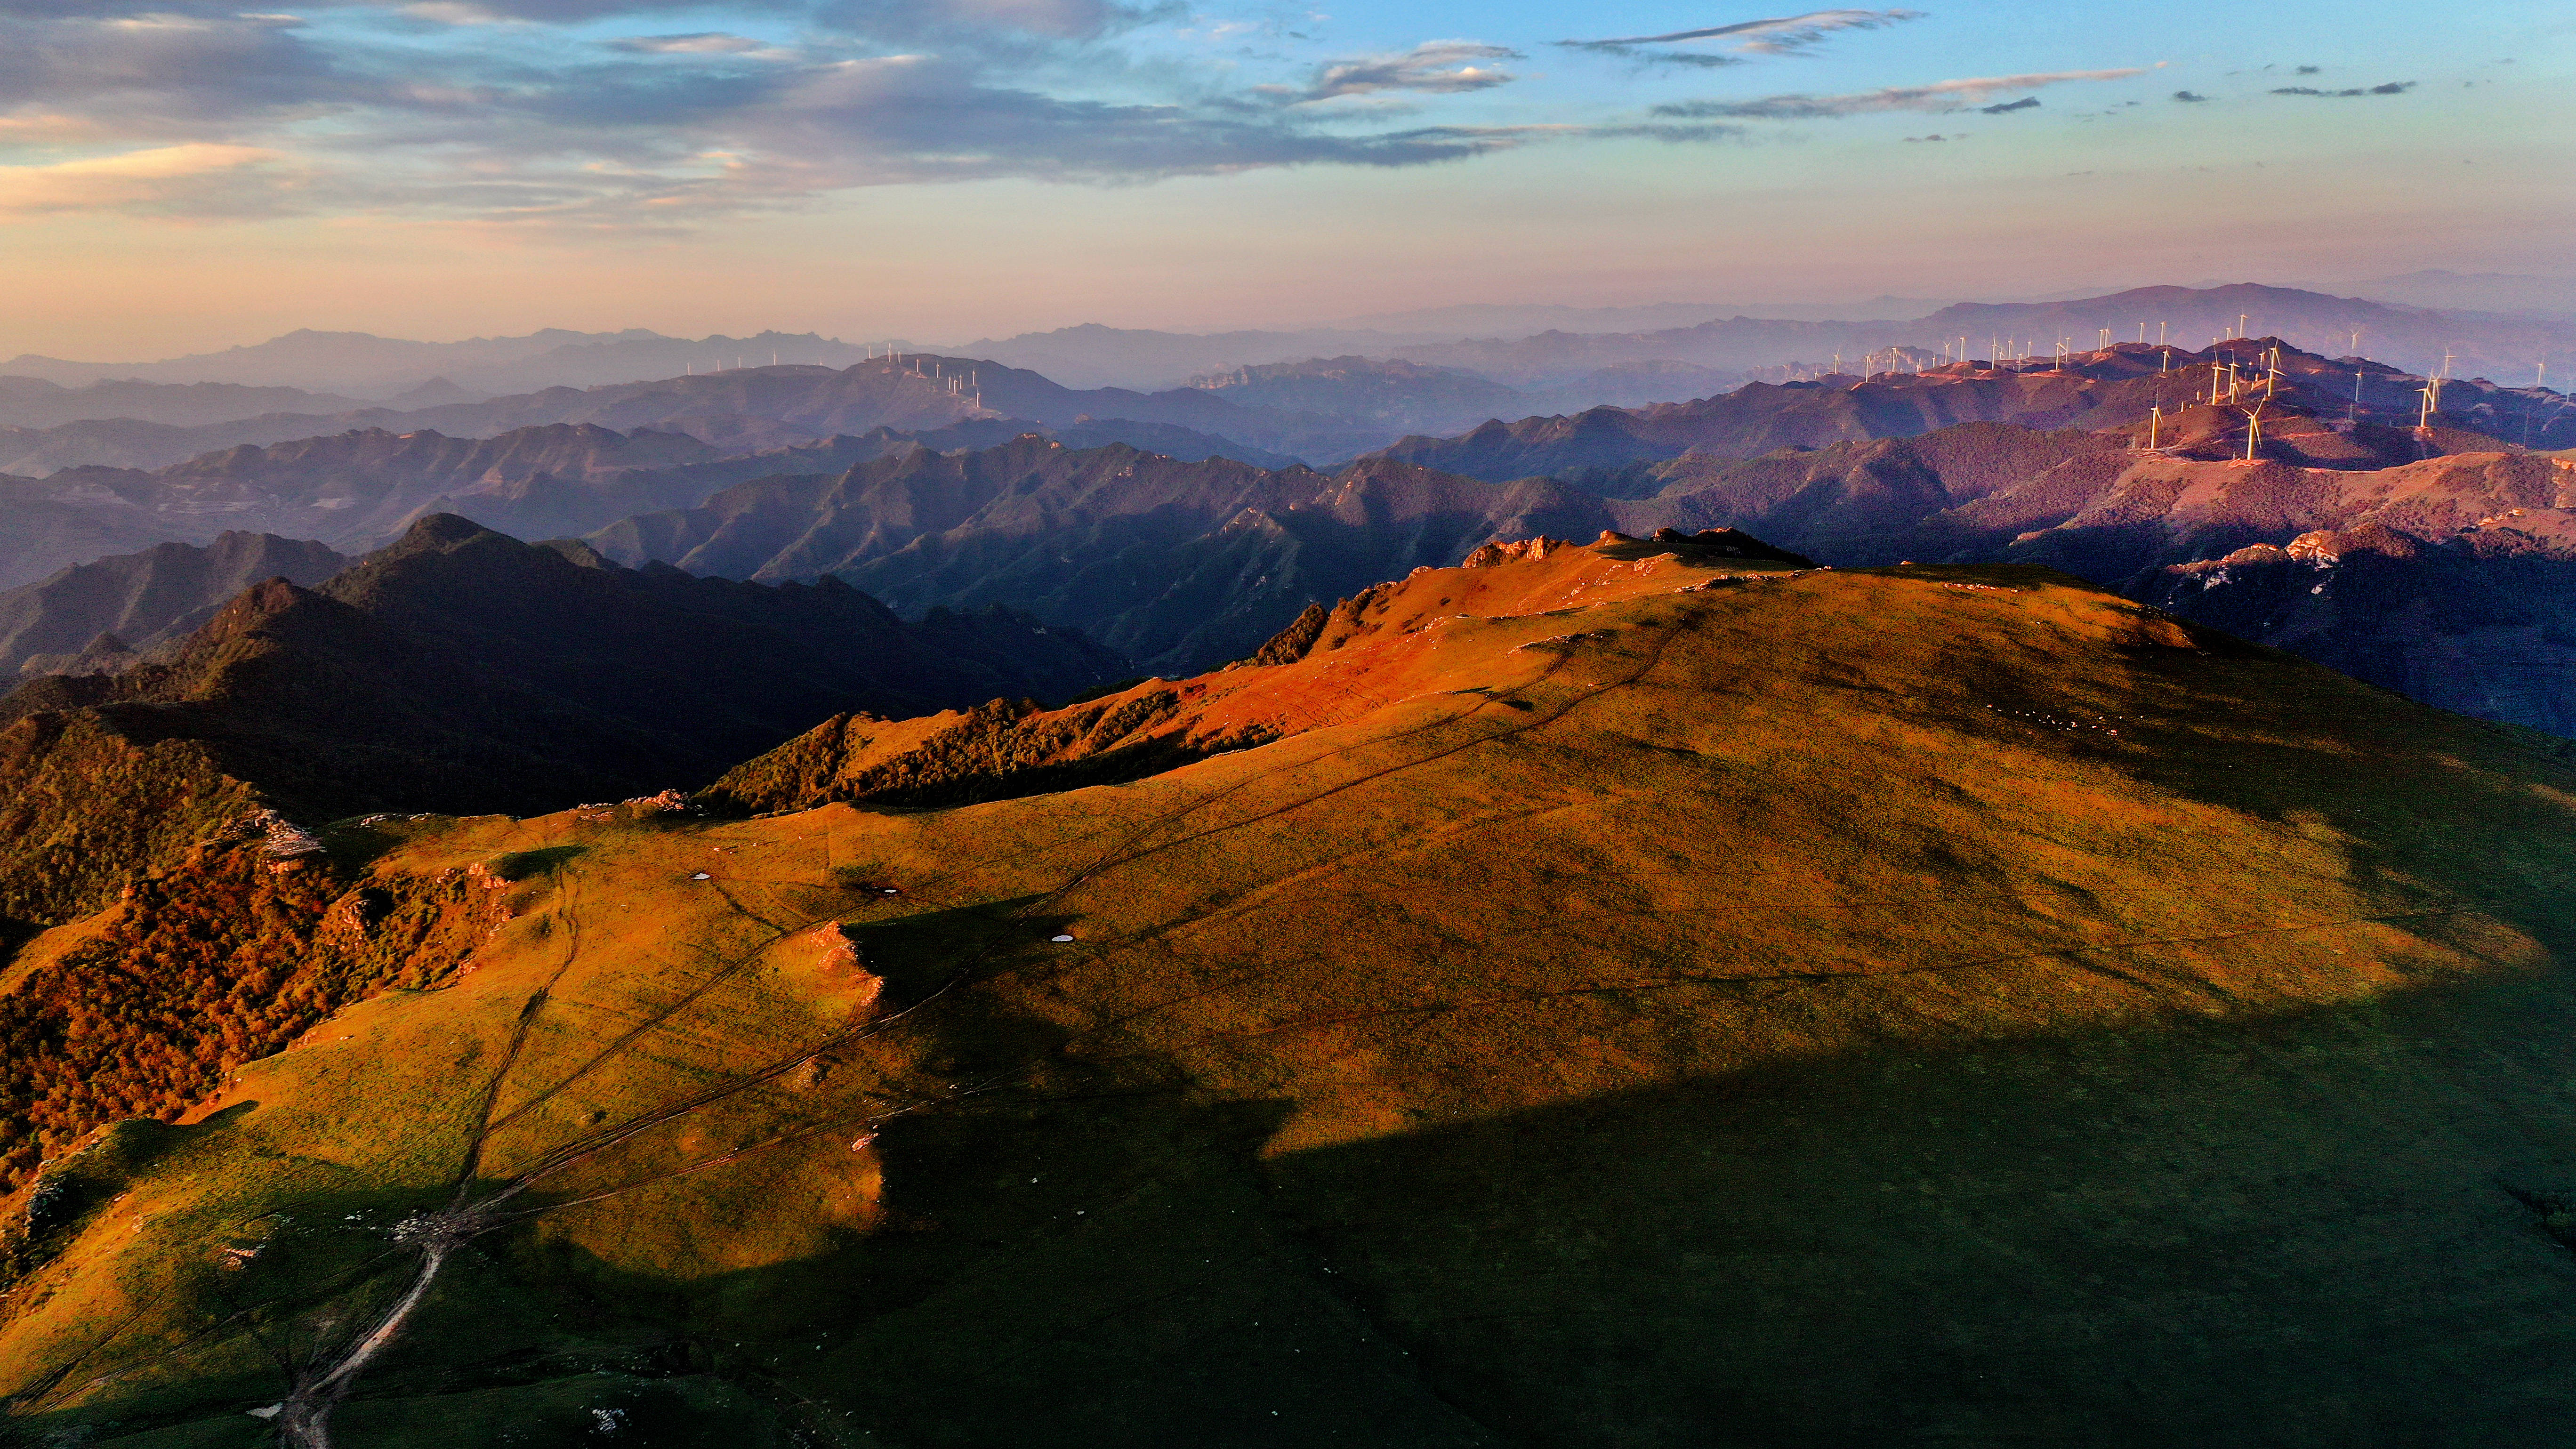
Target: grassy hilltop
1634	997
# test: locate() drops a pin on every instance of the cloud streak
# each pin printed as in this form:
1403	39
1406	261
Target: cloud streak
1949	95
1782	35
184	179
1436	67
488	109
2392	88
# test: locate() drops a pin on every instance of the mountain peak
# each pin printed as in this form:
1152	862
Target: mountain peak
439	530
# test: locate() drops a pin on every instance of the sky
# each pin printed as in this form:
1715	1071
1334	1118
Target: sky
178	175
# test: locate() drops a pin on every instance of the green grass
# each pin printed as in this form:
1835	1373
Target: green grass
1841	1008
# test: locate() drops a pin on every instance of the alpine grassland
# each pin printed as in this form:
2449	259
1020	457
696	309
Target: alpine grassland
1615	995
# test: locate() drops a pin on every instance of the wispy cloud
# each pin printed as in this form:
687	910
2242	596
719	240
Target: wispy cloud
2392	88
502	112
1949	95
2008	107
186	179
1783	35
704	43
2192	97
1436	67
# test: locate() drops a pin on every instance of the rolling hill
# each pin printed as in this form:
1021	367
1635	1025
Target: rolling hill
1638	997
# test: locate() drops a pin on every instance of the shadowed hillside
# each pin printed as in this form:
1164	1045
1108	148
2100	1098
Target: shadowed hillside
2482	621
463	670
144	598
1178	565
1654	1000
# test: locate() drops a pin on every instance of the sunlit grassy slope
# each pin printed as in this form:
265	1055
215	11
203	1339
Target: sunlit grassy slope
1639	1002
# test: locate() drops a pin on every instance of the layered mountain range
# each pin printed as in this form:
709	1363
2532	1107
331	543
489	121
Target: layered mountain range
359	489
738	411
2413	338
1185	565
1550	350
1441	378
1180	548
387	368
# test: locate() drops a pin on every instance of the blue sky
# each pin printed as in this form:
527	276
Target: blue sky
180	173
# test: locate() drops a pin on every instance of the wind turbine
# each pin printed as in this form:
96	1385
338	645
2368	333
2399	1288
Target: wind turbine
2155	421
2253	429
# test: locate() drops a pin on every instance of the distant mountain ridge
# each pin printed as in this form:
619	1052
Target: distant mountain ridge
143	599
364	365
32	402
745	410
358	490
2413	339
2110	387
1185	565
1178	565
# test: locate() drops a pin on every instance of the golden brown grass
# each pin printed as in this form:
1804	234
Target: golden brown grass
1627	1008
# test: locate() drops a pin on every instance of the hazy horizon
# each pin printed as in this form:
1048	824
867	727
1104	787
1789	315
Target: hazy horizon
182	179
